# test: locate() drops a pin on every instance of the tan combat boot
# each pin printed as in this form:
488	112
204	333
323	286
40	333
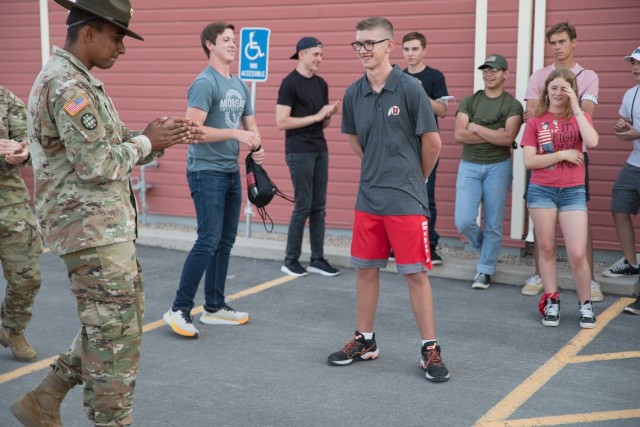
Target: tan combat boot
19	346
41	406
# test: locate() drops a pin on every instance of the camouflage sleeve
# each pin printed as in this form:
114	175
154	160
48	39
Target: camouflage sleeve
17	118
14	122
91	132
128	134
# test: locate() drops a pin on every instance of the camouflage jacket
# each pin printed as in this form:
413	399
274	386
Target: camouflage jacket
13	126
82	156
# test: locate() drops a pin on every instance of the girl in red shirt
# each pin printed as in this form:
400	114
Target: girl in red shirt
553	143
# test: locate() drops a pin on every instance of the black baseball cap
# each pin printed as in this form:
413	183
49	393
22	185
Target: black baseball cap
306	43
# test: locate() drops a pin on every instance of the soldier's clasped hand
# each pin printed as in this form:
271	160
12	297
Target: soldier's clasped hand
164	132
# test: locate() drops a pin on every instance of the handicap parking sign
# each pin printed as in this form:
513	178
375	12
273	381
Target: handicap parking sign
254	54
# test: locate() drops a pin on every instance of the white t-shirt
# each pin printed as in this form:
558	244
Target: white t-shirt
631	111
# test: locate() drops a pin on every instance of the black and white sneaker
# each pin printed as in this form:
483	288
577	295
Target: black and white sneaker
435	258
622	270
355	350
551	313
322	266
432	363
292	267
587	318
481	281
633	308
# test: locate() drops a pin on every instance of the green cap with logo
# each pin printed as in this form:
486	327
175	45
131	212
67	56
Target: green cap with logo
495	61
117	12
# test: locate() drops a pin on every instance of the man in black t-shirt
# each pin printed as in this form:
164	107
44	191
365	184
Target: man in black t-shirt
414	48
303	111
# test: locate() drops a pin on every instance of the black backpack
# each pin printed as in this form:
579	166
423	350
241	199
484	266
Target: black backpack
261	190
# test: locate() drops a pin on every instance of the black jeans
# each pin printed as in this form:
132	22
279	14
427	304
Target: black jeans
434	237
309	174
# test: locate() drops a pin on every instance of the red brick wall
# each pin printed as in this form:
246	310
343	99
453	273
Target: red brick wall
153	77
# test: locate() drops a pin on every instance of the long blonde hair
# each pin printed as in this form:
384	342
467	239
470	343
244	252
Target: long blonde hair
543	101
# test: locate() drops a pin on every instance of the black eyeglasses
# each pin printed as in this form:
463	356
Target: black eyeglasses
367	45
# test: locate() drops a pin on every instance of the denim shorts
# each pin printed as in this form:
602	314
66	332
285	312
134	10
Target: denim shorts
562	199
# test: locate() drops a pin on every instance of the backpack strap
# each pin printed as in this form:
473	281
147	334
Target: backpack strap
474	104
265	216
504	106
503	112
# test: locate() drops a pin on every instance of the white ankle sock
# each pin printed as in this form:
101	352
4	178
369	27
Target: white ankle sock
367	335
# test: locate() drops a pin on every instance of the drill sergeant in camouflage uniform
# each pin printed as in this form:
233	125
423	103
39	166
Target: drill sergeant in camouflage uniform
82	157
20	243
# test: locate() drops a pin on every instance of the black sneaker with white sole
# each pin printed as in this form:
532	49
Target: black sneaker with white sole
551	315
622	270
587	318
322	266
633	308
481	281
432	363
435	258
292	267
354	351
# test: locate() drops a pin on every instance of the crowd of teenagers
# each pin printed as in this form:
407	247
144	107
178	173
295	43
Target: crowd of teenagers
82	155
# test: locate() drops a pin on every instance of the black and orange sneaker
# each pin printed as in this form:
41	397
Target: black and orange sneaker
432	363
355	350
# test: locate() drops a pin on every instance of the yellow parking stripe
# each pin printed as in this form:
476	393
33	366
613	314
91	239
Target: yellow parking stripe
42	364
497	416
605	356
25	370
572	419
250	291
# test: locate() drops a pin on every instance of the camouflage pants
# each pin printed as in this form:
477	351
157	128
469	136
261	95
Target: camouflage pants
108	285
20	249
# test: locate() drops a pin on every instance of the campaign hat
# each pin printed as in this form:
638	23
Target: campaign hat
117	12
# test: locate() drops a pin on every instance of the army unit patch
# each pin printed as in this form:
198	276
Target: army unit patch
89	121
76	105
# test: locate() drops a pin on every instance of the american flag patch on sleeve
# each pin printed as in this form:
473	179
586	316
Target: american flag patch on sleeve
76	105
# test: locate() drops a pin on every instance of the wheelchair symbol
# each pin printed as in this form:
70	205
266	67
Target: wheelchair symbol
252	47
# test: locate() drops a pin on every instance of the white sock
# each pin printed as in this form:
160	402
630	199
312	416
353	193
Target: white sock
367	335
433	341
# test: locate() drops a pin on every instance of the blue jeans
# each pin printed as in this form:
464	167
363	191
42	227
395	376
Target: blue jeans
487	184
217	197
309	174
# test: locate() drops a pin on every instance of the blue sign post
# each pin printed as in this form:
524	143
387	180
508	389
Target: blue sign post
254	54
253	66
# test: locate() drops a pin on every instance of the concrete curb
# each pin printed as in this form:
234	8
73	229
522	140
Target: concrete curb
462	269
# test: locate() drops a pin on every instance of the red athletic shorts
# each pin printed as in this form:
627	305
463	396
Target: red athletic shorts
375	235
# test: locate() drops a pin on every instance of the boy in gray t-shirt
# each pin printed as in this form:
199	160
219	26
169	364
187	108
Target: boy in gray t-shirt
221	102
391	127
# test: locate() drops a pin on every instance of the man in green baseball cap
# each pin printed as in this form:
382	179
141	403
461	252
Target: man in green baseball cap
83	156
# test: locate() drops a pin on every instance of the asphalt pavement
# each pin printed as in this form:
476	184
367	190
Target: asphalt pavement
506	368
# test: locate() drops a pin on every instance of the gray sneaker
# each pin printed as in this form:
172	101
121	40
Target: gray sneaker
225	316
